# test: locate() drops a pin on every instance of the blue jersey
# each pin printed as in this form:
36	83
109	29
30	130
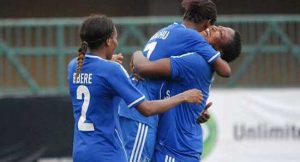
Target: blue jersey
133	113
175	40
178	133
95	97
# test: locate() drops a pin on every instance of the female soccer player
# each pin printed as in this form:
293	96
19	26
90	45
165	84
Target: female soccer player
173	40
179	137
96	85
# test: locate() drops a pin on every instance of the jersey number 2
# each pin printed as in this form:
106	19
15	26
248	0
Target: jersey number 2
82	126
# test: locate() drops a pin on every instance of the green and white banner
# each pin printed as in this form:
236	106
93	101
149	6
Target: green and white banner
247	125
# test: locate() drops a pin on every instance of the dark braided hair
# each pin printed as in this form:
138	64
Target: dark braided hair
197	11
94	32
81	53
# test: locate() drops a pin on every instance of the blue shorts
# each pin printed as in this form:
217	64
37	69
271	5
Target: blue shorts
162	157
139	140
159	156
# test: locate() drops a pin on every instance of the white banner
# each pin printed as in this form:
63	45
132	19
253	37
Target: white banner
253	125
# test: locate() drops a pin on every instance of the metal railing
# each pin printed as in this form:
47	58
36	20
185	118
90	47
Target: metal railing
34	53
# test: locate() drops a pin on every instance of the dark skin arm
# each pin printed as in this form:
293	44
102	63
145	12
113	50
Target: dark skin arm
148	108
151	69
161	67
222	68
204	115
158	69
154	70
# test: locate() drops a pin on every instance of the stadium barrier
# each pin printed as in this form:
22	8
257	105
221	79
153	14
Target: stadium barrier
35	127
246	125
34	53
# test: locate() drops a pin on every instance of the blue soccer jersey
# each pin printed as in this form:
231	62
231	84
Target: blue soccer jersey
179	136
95	98
139	132
175	40
172	40
135	114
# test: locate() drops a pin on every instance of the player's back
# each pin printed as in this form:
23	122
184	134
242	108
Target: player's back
96	136
173	40
178	133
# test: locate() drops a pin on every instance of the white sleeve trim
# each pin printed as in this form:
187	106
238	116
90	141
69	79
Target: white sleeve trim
161	90
183	55
125	72
212	58
136	101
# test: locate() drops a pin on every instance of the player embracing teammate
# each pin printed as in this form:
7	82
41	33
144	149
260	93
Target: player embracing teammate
96	85
178	69
182	58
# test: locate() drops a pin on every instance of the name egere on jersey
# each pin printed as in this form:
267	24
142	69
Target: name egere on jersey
83	78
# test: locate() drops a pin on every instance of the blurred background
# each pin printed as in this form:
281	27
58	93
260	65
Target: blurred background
256	112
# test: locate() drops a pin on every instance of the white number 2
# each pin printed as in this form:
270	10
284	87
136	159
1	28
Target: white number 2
150	48
82	126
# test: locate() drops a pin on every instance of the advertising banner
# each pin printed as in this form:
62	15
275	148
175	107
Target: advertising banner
247	125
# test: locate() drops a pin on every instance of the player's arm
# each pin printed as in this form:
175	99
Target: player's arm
120	83
148	108
204	115
222	68
212	56
151	69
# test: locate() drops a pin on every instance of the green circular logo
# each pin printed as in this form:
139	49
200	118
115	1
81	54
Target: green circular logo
209	136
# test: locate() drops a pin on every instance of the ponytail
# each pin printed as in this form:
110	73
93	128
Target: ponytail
81	54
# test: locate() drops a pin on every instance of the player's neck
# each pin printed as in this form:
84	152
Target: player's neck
189	24
99	52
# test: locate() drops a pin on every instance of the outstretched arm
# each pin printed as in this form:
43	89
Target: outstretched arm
151	69
148	108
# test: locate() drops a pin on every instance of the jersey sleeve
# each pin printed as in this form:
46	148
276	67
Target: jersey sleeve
121	84
202	47
179	65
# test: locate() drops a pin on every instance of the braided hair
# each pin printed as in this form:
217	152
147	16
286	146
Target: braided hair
81	54
94	32
197	11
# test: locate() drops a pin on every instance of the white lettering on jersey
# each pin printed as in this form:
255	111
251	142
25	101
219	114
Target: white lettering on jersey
160	35
168	94
83	78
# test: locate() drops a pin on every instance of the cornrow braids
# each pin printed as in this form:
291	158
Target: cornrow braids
81	54
93	44
192	15
199	10
96	30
